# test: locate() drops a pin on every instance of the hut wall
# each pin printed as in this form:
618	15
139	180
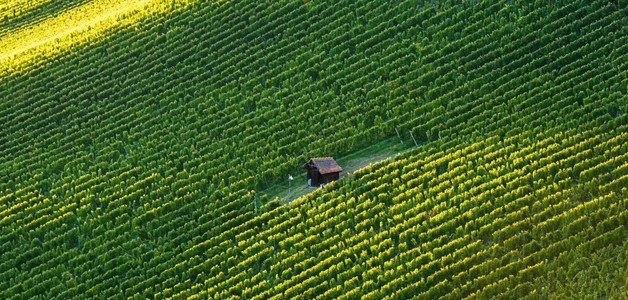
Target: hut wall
313	175
327	178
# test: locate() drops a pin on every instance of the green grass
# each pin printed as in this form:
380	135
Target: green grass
350	162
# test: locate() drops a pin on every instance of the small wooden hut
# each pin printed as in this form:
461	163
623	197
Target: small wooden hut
322	170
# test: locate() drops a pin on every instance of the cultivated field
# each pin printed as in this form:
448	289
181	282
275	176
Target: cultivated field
139	141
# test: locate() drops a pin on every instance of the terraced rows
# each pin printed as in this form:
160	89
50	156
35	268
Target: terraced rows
129	166
19	14
399	229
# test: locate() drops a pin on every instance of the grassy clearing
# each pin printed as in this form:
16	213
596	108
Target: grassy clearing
351	162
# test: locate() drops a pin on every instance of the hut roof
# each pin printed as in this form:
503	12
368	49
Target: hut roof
325	165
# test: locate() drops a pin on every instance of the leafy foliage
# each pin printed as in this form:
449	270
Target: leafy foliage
129	166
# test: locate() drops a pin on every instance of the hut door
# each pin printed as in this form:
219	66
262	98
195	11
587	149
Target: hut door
311	177
314	177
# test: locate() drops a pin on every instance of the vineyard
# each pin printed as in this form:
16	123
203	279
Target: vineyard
133	151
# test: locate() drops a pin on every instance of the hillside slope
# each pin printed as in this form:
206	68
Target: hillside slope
129	164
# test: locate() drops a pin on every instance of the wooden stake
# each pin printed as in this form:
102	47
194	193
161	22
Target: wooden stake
415	143
398	135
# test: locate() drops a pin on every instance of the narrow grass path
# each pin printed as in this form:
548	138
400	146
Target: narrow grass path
288	191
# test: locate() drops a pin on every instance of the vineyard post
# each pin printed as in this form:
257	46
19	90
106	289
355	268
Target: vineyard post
255	201
290	185
411	135
398	135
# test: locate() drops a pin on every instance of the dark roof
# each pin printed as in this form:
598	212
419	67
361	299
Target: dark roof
325	165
